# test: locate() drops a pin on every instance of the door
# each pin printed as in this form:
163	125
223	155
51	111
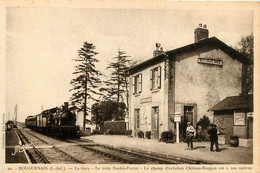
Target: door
250	127
188	114
188	117
155	122
136	120
228	124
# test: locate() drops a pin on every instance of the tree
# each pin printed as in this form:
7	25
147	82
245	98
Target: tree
204	122
116	85
87	80
246	48
106	111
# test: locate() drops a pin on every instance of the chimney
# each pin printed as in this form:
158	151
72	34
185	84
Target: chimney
158	51
201	33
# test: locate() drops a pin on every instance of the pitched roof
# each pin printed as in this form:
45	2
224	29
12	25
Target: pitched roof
213	41
244	102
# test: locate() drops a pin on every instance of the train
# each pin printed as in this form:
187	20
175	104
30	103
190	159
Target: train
57	121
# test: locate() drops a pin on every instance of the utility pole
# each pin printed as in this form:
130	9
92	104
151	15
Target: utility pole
15	115
8	116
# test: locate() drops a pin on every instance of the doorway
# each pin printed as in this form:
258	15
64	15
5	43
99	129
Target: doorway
155	122
228	124
187	117
137	120
250	128
188	114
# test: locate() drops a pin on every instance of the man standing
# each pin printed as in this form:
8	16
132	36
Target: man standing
190	133
213	137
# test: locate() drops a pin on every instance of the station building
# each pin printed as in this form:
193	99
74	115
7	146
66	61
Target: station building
188	80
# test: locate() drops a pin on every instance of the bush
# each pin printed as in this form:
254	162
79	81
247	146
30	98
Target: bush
148	134
96	131
140	134
202	136
234	142
204	122
167	136
128	132
109	132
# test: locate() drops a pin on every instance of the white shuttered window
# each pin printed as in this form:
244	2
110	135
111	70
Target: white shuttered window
155	78
137	84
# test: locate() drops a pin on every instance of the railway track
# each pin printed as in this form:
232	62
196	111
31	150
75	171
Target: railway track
34	154
136	157
44	153
86	151
132	156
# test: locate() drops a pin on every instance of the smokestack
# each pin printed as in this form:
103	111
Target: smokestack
201	33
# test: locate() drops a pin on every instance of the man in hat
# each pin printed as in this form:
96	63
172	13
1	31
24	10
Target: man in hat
213	132
190	134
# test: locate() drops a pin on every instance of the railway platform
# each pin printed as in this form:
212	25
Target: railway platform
12	142
201	151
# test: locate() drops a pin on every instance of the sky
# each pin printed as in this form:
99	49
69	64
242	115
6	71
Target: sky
42	42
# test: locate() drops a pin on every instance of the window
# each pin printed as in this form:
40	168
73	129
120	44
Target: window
137	84
137	115
155	78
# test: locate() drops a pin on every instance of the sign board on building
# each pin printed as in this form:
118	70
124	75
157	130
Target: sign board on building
249	114
239	118
210	61
177	117
145	100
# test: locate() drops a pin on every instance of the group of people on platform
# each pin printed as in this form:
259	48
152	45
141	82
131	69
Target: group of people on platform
213	136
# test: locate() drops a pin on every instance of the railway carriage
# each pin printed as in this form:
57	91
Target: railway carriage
30	121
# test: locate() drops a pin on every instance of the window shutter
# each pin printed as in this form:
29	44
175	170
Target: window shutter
151	79
133	84
140	83
159	77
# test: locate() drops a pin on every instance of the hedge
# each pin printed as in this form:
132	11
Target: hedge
115	127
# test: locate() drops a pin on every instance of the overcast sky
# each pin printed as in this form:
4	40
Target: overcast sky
41	43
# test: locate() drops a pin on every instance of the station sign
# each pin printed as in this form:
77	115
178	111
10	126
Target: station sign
210	61
146	100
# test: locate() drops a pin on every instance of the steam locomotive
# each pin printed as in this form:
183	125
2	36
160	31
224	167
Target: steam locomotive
59	122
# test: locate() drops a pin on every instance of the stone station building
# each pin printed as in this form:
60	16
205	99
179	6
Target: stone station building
188	80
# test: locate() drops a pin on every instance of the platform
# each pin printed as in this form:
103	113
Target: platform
201	151
12	141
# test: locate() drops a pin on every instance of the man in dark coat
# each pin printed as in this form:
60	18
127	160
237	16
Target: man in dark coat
213	132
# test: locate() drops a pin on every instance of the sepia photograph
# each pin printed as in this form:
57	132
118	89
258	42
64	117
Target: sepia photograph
129	89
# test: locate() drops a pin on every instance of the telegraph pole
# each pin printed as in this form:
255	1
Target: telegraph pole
15	115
